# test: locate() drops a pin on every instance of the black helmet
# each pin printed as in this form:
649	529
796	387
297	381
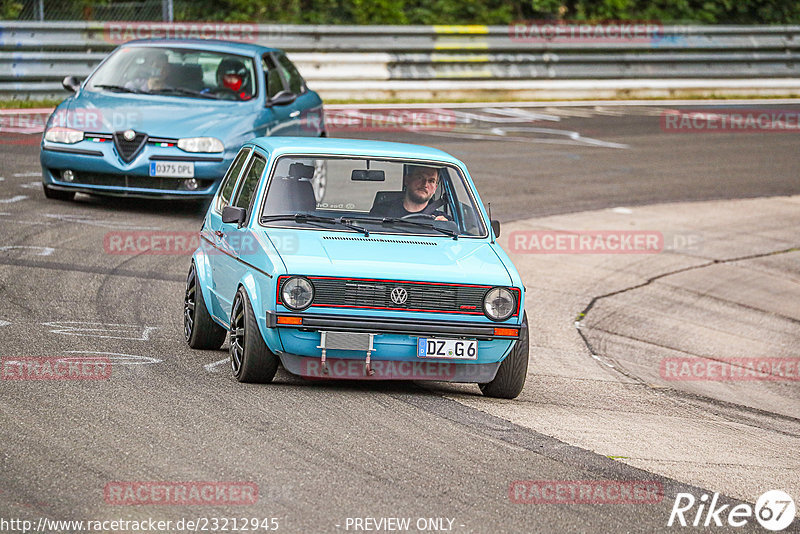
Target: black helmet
232	74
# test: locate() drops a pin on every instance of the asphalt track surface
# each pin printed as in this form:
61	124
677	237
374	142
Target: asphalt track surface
319	452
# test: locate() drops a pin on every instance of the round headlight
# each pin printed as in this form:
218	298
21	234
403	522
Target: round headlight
499	304
297	293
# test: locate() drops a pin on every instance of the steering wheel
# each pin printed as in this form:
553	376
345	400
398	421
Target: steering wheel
418	215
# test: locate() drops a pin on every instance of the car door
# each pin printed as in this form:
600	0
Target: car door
212	231
276	118
237	243
306	110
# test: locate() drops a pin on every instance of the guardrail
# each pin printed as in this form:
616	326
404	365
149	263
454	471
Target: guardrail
423	61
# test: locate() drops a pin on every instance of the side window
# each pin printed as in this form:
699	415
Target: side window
250	182
296	82
272	76
229	182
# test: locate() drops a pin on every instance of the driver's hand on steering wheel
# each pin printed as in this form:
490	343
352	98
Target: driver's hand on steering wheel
441	218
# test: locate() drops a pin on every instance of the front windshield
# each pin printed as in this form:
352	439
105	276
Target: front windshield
176	72
388	196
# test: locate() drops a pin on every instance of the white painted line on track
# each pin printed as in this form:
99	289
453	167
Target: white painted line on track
4	323
15	198
128	332
624	211
92	221
574	138
211	366
118	358
522	114
31	173
43	251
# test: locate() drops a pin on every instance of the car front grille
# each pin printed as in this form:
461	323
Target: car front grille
128	149
377	294
142	182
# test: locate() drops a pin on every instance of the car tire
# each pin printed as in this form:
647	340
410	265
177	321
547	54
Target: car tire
199	329
251	359
55	194
510	377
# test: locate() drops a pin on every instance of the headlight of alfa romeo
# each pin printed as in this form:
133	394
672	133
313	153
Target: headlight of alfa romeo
297	293
59	134
201	144
499	304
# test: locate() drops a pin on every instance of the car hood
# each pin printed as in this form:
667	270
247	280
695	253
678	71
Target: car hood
158	116
396	257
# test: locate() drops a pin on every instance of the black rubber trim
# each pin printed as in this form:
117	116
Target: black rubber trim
81	151
186	158
391	326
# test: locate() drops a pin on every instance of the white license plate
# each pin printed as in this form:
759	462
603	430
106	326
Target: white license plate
462	349
172	169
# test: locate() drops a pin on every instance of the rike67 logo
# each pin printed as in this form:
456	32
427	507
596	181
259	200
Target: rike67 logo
774	510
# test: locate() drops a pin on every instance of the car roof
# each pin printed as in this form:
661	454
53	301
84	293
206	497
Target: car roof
350	147
231	47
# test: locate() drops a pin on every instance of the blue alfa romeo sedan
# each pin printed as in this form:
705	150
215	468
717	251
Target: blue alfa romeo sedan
352	259
165	118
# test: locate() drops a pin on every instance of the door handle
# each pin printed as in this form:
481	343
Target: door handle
219	233
294	113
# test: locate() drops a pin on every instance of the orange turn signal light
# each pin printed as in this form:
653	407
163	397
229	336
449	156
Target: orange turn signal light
290	320
506	332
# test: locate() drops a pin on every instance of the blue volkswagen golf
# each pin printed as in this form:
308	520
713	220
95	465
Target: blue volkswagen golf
352	259
165	118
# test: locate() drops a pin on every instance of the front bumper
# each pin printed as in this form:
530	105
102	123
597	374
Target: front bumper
339	323
99	170
351	369
393	351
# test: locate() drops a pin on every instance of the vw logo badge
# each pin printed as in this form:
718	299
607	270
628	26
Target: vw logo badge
399	295
129	135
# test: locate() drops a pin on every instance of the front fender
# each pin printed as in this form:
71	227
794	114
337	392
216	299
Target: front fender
259	292
204	281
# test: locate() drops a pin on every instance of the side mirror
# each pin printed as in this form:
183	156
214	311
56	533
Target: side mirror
496	228
282	99
234	214
71	83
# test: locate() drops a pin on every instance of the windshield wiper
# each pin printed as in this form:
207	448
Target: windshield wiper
118	88
391	221
304	218
183	91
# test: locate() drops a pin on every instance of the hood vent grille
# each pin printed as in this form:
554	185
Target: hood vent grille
381	240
